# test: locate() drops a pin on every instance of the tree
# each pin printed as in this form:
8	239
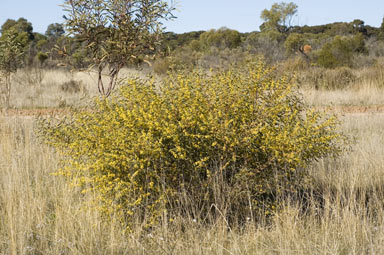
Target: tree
267	44
116	32
221	38
9	23
295	43
23	32
381	31
22	26
11	51
54	30
359	26
341	50
279	17
42	57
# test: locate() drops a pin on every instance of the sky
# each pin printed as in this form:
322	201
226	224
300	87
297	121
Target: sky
193	15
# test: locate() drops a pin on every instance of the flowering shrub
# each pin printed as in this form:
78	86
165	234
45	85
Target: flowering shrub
195	145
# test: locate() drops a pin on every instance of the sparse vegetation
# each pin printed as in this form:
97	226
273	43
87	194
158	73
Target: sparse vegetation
200	152
71	86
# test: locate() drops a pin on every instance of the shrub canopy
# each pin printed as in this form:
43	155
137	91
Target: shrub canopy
232	141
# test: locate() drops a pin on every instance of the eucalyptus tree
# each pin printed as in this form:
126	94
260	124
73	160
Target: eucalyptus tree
116	32
279	17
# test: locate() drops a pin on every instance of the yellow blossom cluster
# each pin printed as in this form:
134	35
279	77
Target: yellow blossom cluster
231	139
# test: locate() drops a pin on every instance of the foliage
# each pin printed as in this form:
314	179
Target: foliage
221	38
116	32
172	41
195	45
42	57
19	31
11	52
340	51
41	43
54	30
267	44
23	31
335	53
279	17
295	43
277	41
197	145
180	59
359	27
80	58
339	28
22	26
381	31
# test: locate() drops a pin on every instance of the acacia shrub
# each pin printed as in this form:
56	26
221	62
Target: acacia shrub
194	146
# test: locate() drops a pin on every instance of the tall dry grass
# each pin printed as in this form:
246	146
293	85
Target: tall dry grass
47	88
41	214
343	87
364	96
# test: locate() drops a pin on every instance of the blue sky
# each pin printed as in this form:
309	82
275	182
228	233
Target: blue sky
242	15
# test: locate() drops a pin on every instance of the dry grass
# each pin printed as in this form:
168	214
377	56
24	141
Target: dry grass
366	89
342	86
40	214
39	88
364	96
36	88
